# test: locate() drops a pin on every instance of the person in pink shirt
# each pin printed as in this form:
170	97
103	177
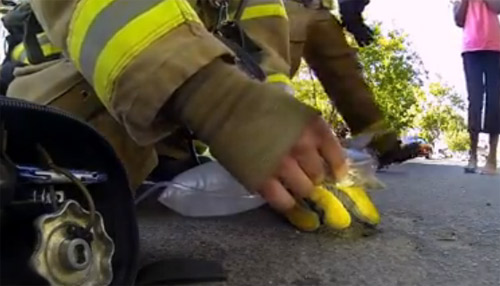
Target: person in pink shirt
481	56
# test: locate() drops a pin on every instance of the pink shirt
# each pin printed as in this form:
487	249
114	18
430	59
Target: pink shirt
482	28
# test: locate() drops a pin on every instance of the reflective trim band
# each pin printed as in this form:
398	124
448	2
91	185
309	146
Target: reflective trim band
107	35
329	4
85	13
19	53
282	80
265	10
279	78
102	30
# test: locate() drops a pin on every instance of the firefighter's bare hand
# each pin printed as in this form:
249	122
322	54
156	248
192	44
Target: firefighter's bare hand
316	152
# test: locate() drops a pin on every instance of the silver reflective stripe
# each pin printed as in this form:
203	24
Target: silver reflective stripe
288	89
23	57
43	39
111	20
328	4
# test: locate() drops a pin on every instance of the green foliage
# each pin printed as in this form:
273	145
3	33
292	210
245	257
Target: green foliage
392	70
458	141
395	73
309	90
440	116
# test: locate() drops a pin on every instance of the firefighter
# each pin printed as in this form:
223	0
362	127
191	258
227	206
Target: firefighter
136	70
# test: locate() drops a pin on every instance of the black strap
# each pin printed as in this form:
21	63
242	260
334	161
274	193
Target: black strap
33	50
239	11
180	271
7	171
248	54
14	21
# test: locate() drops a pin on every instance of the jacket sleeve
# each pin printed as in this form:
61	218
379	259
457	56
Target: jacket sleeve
153	63
127	49
266	23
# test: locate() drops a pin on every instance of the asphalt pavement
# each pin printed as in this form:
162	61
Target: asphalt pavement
440	227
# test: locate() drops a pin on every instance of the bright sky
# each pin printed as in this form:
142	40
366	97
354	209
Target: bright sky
432	31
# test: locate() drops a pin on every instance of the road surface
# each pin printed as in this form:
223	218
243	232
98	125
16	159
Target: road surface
440	227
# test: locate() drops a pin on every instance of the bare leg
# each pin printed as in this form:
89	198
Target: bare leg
492	121
491	163
474	139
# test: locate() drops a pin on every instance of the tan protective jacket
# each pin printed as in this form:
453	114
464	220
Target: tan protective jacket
266	23
153	65
317	36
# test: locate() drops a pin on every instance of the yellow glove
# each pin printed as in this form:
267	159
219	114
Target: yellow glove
331	207
332	203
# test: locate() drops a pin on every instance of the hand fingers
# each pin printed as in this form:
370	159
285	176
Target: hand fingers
313	166
331	150
335	214
277	196
294	178
321	138
303	218
359	204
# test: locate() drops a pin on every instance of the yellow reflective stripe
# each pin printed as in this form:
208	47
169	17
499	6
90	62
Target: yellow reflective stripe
86	11
279	78
134	38
328	4
102	30
18	52
49	49
282	80
42	38
265	10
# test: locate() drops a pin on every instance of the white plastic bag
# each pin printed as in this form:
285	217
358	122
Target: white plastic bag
207	190
362	170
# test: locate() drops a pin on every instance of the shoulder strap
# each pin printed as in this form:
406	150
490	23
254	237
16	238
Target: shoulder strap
14	21
24	27
239	11
30	40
